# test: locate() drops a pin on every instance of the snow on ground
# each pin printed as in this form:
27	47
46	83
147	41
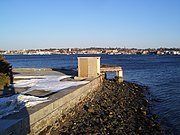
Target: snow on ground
12	104
47	83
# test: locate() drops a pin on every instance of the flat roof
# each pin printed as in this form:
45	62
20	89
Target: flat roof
87	57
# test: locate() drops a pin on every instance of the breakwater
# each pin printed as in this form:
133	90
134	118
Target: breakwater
118	108
101	106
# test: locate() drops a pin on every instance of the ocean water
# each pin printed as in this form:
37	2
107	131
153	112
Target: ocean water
161	74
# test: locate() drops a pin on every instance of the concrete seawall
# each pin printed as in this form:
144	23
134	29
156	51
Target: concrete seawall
61	107
46	116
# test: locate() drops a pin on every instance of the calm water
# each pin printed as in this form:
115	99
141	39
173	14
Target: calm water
160	73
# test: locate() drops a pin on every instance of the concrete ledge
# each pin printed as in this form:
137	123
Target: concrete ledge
36	119
56	110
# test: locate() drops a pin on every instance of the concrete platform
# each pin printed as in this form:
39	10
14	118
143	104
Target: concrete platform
32	120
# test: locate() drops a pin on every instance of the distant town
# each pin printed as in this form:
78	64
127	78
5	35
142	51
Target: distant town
92	50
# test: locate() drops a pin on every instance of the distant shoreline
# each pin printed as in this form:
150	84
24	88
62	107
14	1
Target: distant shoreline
93	50
87	54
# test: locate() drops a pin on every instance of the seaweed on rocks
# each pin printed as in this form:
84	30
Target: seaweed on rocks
118	108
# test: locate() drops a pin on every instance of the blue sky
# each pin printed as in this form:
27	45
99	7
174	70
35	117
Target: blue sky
26	24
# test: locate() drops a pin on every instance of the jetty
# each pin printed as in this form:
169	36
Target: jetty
60	104
96	105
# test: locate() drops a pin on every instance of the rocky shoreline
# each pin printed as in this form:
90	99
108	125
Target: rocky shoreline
118	108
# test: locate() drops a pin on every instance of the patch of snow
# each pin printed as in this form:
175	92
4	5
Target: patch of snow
46	83
28	77
12	104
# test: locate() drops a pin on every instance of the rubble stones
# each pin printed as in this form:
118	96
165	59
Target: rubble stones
118	108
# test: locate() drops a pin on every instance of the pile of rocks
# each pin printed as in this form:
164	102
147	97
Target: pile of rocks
118	108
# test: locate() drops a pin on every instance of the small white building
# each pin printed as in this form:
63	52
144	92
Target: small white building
88	67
